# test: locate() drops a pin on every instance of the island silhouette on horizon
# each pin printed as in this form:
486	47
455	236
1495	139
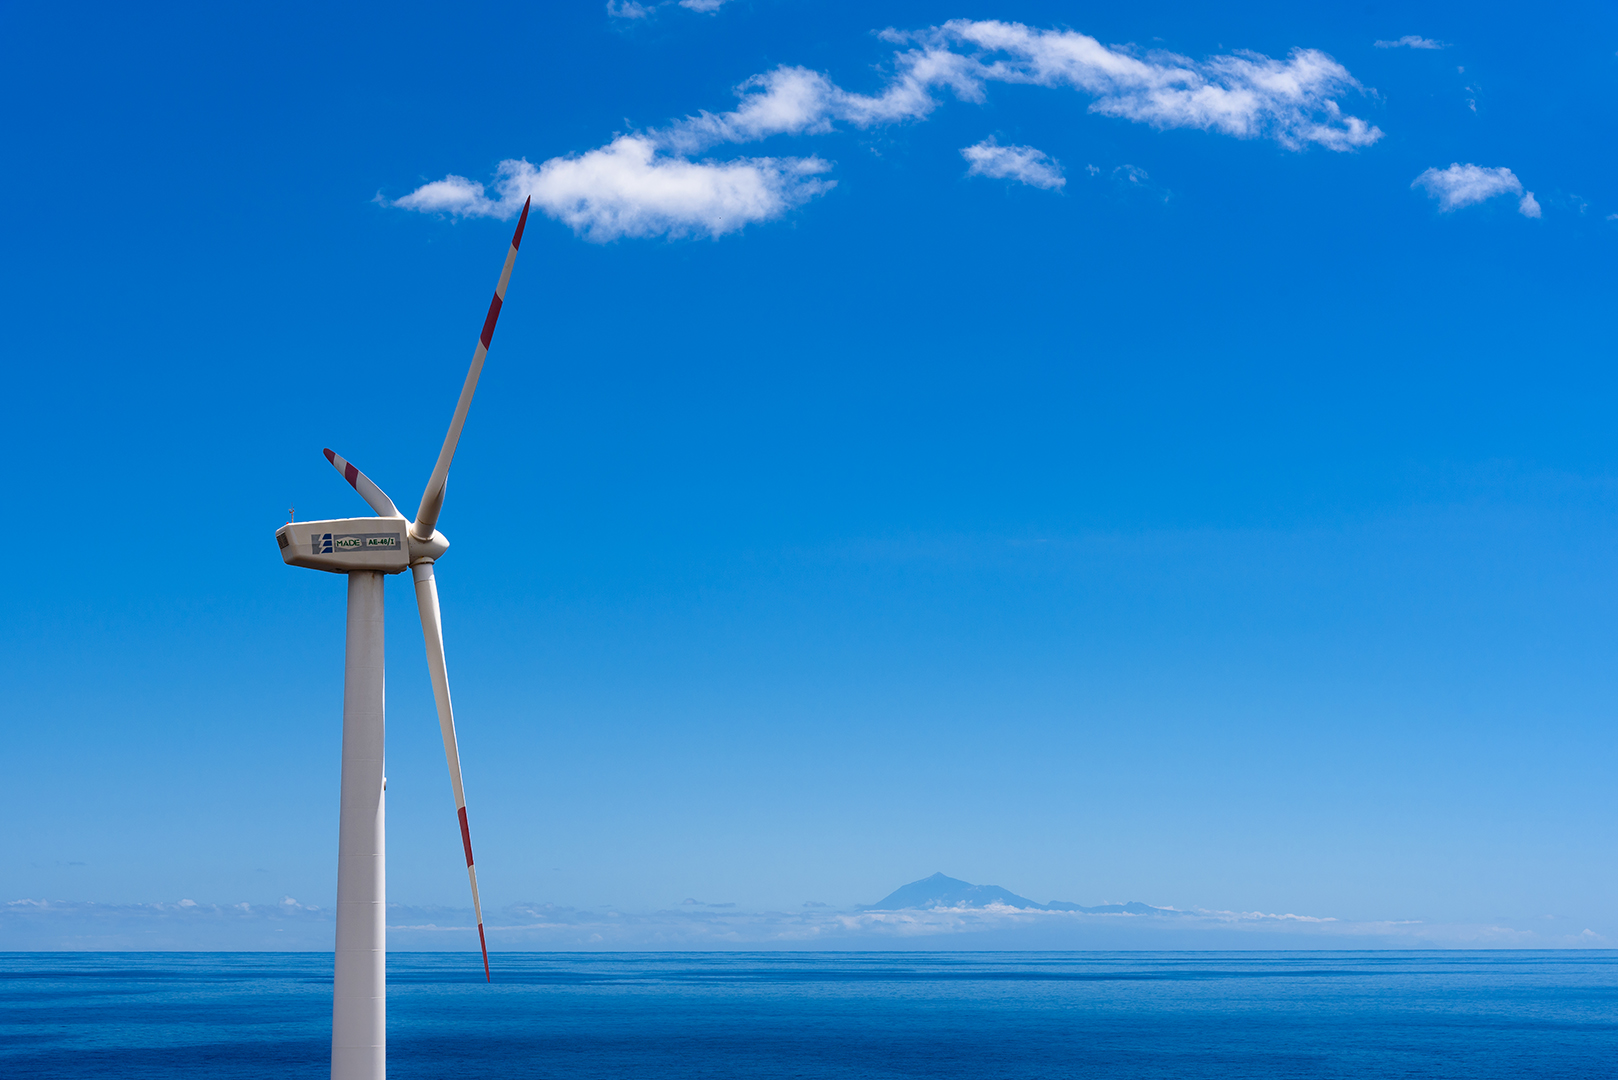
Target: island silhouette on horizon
942	891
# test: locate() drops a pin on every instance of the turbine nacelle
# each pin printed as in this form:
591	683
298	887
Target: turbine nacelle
343	545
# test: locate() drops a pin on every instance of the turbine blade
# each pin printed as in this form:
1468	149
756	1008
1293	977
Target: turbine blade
432	630
363	484
432	500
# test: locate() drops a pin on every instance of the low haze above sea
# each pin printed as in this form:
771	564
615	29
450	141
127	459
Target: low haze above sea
233	1016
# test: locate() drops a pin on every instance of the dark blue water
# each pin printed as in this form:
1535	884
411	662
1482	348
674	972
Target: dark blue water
1020	1016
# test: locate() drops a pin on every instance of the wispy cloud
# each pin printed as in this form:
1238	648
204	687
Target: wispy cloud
1023	163
647	184
632	9
798	101
959	926
1245	94
183	924
1466	185
288	924
1411	41
1133	178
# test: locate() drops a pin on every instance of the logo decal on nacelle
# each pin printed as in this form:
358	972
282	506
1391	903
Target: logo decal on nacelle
329	544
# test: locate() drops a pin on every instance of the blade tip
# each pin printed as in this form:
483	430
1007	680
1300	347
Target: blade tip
522	221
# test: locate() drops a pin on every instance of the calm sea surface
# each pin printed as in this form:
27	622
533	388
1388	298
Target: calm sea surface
835	1015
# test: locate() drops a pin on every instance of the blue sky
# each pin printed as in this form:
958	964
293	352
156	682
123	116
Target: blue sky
1174	463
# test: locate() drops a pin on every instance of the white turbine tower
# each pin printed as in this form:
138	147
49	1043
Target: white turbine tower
366	549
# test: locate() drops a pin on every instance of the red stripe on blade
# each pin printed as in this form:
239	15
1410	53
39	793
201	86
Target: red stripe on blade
516	238
466	837
488	324
485	948
349	474
331	457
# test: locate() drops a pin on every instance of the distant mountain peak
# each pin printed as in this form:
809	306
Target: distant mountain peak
940	890
943	891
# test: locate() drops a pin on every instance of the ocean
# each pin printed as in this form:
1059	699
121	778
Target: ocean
973	1016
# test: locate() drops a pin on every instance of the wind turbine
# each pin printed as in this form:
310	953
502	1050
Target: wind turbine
367	549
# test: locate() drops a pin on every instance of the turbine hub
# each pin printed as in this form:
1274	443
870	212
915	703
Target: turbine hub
427	550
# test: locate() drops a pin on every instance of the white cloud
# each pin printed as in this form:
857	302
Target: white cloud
1024	163
1466	185
704	6
645	183
452	195
629	188
796	100
1411	41
1245	94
